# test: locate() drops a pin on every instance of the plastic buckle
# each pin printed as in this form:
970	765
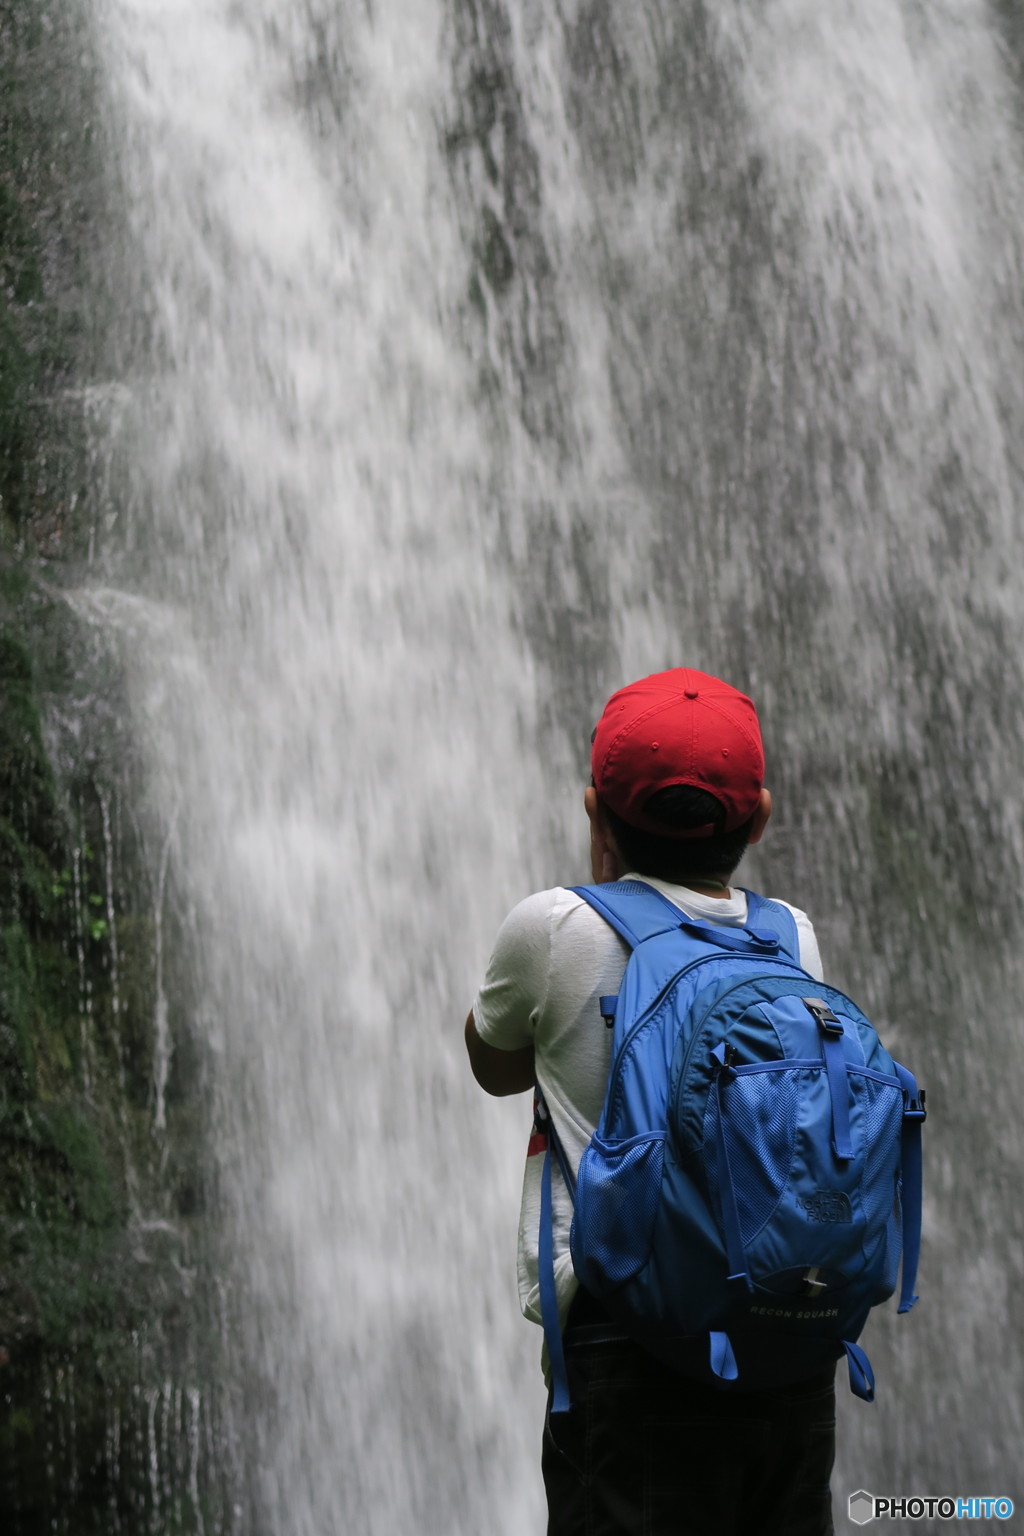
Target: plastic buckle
826	1019
915	1109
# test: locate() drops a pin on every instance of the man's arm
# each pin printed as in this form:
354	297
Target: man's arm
498	1072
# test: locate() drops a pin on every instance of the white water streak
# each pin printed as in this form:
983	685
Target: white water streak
332	700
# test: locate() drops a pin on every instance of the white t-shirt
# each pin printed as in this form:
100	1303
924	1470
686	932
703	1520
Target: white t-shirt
553	959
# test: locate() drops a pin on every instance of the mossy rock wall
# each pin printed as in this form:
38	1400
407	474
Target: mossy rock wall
107	1332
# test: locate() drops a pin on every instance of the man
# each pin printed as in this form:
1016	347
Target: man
677	795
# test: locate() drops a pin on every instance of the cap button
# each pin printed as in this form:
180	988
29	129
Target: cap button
690	693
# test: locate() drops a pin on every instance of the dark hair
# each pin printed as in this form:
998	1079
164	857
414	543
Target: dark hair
683	861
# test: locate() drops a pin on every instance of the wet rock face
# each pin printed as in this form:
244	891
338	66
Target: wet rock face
103	1421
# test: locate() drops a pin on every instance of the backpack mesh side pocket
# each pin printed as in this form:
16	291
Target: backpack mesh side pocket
761	1115
617	1194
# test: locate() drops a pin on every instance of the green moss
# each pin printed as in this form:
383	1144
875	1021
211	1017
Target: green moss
91	1293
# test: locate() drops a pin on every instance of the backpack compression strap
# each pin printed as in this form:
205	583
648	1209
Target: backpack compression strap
914	1115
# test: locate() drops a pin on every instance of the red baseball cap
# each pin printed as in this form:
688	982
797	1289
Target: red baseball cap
678	727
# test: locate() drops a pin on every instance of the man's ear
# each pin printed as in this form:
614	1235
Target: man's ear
762	816
605	860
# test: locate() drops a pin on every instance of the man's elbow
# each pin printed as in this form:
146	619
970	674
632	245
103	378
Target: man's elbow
498	1072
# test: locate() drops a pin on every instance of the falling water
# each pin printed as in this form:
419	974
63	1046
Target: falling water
479	357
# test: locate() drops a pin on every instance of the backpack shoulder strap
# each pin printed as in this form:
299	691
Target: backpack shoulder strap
774	918
634	909
637	911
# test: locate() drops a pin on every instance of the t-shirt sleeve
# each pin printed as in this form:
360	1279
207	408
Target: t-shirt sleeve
507	1006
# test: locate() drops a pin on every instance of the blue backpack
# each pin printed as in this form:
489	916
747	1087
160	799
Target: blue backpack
755	1175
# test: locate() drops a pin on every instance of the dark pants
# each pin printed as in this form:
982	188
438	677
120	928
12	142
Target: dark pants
646	1452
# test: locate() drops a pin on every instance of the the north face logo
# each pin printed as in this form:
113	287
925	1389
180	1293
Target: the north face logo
826	1205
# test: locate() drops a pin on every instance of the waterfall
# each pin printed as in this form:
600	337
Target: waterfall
474	359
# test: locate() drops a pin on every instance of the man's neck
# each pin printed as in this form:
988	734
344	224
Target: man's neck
711	888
